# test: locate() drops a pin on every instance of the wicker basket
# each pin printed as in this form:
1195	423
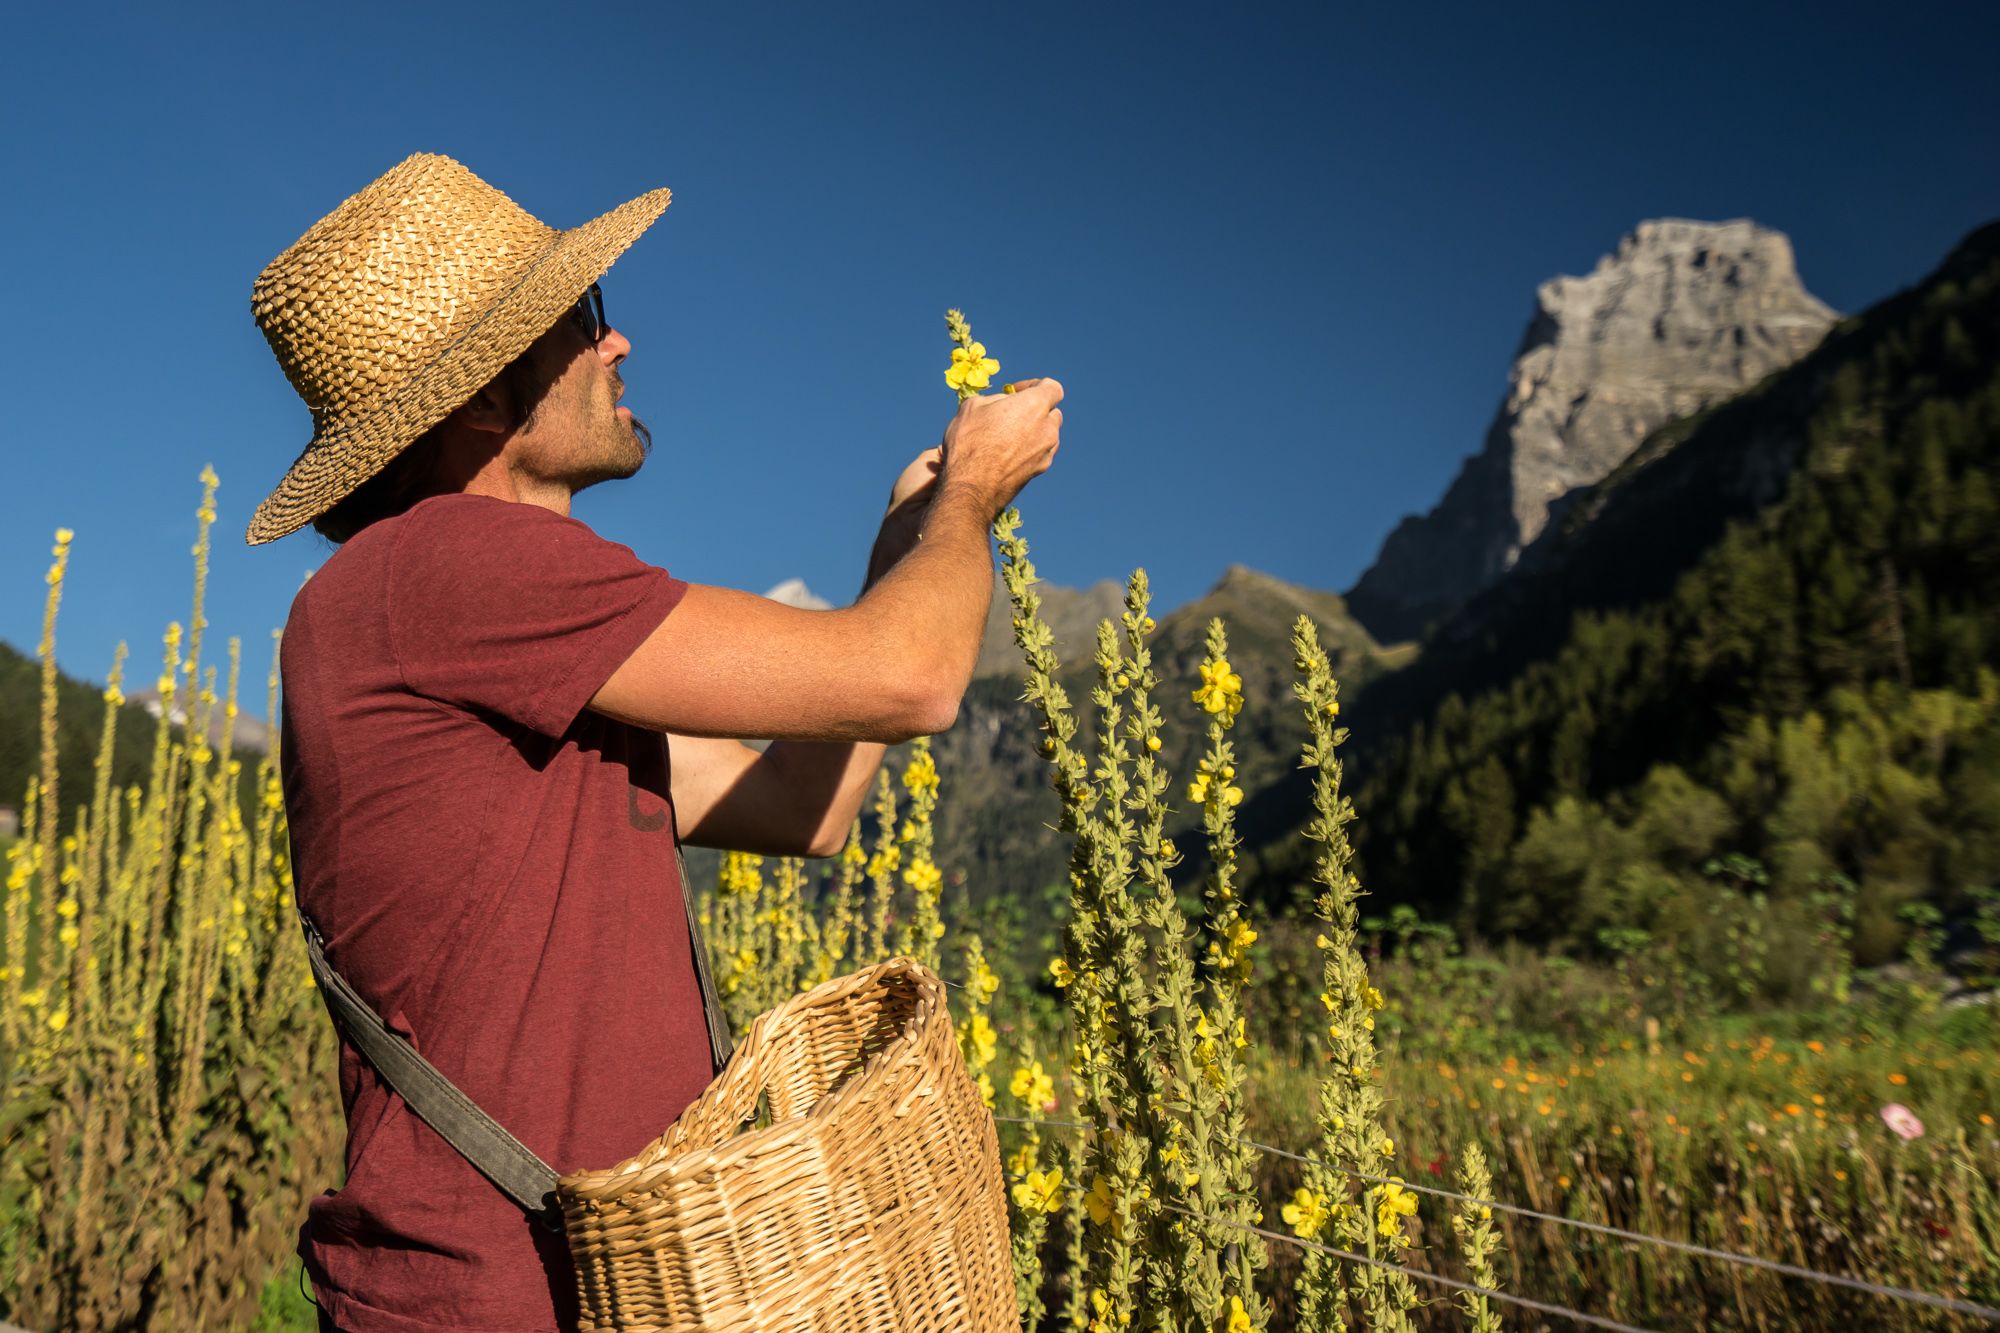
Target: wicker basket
872	1201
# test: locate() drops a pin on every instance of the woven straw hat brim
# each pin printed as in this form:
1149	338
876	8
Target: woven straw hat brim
342	456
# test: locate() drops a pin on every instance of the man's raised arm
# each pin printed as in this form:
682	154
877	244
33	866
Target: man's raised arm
892	666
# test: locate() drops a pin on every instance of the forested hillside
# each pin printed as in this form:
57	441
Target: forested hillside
79	730
1758	656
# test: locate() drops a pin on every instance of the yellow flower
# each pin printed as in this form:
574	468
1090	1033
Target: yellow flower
1393	1202
980	1040
1307	1214
1060	969
1221	690
923	876
1241	937
1098	1201
1372	997
1106	1319
1239	1318
1198	789
1023	1160
971	368
1032	1086
59	1020
1041	1192
922	774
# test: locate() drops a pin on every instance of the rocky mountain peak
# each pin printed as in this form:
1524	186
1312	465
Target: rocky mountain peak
1683	314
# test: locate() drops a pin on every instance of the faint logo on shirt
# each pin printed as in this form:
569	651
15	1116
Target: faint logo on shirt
641	820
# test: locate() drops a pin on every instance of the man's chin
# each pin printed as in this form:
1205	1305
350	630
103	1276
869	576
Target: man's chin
624	461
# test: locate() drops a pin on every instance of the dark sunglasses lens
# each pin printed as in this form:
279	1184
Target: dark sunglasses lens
589	314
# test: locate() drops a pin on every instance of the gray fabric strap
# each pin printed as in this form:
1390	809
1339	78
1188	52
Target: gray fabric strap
500	1157
479	1138
720	1044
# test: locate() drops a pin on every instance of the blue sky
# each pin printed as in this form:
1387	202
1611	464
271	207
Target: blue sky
1280	256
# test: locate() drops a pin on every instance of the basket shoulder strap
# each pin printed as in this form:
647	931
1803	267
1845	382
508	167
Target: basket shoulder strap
479	1138
720	1044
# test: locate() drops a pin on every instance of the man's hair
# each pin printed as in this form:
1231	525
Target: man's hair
403	481
412	474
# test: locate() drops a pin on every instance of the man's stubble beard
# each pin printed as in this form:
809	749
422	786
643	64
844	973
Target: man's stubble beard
620	451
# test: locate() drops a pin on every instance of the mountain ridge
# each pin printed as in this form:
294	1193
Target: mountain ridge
1681	315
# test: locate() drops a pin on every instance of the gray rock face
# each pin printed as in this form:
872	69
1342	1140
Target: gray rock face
1070	613
1684	315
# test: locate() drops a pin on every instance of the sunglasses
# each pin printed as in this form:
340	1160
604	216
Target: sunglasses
588	312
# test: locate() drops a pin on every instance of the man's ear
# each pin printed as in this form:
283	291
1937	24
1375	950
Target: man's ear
490	411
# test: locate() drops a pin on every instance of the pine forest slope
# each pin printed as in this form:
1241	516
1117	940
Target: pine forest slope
1770	633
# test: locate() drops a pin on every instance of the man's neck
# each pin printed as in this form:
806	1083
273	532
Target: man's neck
495	479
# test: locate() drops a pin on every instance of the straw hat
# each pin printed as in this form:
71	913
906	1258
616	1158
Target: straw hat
405	301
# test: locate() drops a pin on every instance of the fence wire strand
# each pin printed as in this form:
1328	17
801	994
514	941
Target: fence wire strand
1526	1303
1947	1303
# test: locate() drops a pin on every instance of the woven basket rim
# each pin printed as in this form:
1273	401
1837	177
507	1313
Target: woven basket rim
642	1172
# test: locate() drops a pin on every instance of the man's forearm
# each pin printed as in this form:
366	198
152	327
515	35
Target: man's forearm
829	780
933	599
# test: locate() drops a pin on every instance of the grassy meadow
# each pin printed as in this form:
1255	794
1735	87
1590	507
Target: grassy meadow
169	1099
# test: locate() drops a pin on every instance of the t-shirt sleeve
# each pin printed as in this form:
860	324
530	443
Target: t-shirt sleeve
511	609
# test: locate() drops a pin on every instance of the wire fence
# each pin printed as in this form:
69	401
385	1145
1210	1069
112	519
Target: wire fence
1971	1309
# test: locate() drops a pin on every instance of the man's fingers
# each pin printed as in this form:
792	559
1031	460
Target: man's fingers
1042	384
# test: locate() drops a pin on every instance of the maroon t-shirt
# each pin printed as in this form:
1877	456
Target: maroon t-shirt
493	868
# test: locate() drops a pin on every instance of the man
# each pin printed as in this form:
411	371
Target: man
497	724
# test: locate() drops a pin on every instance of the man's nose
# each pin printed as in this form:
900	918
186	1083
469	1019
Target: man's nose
613	347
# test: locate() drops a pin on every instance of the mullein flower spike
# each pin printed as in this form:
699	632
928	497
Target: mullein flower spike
1350	1097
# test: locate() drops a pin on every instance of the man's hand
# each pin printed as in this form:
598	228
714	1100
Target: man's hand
1000	442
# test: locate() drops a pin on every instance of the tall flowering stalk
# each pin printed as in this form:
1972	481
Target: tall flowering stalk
1220	1027
794	930
736	930
1350	1096
920	869
168	1069
1478	1239
1036	1191
35	852
978	1043
882	865
837	932
1105	1006
1187	1287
